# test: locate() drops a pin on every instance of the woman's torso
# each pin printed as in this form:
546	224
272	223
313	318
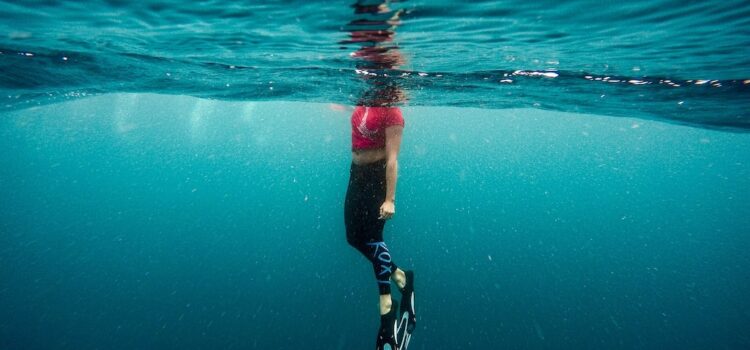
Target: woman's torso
368	132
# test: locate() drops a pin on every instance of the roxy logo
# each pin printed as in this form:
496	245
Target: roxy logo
370	134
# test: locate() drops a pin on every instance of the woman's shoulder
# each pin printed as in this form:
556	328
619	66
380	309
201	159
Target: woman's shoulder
357	110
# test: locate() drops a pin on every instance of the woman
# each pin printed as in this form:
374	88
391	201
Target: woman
370	200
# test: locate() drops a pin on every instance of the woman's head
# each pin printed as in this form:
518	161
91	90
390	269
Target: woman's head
383	94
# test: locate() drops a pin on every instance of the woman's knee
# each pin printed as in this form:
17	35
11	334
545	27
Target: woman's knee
352	240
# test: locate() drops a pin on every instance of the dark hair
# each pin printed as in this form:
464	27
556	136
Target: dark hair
382	94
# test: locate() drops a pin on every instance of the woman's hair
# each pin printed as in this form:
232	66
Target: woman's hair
383	94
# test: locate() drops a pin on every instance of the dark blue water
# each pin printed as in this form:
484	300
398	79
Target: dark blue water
572	176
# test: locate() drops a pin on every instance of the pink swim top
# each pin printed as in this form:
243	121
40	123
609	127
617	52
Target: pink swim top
369	123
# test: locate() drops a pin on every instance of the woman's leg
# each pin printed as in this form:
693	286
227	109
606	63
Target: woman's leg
383	268
364	230
386	302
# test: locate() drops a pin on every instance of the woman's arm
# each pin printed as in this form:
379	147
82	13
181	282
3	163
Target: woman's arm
392	145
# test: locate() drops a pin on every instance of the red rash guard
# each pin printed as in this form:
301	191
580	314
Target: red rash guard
369	123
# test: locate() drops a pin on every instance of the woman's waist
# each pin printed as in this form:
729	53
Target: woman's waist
368	156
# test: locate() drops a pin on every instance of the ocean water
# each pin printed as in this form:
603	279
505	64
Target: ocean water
686	63
572	176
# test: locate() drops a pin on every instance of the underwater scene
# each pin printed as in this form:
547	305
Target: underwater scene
571	175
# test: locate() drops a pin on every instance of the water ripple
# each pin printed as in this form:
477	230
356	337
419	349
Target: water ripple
668	60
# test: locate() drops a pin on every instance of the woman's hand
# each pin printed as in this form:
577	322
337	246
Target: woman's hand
387	210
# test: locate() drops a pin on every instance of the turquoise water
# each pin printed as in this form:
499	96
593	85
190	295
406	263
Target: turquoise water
149	221
173	174
666	60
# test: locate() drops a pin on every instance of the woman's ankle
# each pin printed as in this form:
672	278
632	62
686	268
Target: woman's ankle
385	304
399	276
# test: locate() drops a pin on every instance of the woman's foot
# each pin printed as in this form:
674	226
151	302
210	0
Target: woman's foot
387	334
407	301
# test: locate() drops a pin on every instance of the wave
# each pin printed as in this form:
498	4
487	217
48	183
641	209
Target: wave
649	59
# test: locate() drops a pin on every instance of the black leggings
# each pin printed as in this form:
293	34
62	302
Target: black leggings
364	231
